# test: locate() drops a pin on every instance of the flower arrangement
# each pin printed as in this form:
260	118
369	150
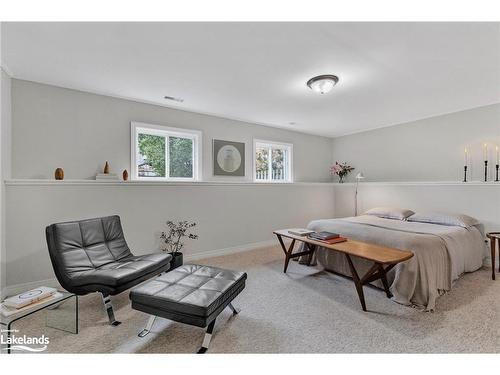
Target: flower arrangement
341	170
175	234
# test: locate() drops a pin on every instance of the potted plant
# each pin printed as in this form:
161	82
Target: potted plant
173	237
341	170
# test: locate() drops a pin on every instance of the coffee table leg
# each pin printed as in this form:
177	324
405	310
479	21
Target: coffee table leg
288	252
312	249
383	277
492	246
357	282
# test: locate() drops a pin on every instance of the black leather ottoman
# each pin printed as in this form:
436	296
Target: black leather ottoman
190	294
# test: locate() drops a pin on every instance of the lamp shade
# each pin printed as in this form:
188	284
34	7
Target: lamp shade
360	176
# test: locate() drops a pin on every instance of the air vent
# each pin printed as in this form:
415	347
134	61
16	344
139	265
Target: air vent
180	100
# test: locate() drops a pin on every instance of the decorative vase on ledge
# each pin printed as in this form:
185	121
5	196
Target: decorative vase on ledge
341	170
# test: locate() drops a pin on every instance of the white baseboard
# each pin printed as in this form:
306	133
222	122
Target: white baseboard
19	288
229	250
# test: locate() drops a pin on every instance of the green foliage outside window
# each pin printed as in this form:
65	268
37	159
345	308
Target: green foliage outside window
261	157
181	157
152	148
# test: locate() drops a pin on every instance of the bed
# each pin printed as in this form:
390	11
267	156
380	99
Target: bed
442	253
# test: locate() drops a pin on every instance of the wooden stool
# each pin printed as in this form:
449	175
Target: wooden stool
493	236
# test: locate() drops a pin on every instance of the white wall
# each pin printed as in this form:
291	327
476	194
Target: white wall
227	215
55	127
427	150
5	141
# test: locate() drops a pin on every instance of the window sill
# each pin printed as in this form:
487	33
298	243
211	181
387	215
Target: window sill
272	182
47	182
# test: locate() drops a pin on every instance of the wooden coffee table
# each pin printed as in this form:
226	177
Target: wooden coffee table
383	258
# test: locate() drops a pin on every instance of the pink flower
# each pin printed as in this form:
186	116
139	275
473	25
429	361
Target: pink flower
340	169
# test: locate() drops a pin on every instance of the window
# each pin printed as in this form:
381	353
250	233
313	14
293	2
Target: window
272	161
165	154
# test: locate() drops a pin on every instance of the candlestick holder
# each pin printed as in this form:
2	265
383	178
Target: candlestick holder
496	167
465	173
485	170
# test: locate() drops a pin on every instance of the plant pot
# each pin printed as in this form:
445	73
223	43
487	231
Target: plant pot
176	261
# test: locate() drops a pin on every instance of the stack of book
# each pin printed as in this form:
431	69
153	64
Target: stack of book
107	177
26	300
300	231
327	237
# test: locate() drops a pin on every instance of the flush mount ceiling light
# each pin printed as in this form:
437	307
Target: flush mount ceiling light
323	84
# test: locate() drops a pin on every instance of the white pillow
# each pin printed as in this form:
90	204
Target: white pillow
390	212
457	220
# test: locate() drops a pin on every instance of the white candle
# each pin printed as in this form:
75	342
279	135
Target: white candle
466	156
485	152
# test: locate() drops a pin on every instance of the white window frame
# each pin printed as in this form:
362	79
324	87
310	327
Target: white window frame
278	145
165	131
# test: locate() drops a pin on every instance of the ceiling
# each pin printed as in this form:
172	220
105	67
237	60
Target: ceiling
390	73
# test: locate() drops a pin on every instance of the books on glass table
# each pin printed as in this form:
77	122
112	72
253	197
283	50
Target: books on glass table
7	311
29	297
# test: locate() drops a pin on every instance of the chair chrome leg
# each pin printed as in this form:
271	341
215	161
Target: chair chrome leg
234	309
207	338
109	309
148	327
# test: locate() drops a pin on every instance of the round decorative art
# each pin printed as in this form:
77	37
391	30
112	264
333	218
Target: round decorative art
229	158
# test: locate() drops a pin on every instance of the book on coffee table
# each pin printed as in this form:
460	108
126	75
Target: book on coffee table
323	236
331	241
300	231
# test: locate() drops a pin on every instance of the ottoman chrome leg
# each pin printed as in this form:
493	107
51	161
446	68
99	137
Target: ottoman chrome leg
109	309
234	309
148	327
207	338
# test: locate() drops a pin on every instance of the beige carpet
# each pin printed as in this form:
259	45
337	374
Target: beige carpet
303	311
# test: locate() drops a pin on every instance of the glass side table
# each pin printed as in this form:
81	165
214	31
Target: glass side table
61	313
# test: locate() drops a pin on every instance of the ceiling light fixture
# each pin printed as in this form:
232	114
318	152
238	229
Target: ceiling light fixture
323	84
180	100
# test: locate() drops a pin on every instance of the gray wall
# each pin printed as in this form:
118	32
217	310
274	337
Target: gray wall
427	157
78	131
55	127
478	200
427	150
228	216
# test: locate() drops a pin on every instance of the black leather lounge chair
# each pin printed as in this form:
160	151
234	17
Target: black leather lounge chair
92	256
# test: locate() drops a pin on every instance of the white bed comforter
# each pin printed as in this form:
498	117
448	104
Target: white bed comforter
442	254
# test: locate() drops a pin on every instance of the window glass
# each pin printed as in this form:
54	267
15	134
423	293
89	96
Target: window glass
181	157
151	160
272	162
